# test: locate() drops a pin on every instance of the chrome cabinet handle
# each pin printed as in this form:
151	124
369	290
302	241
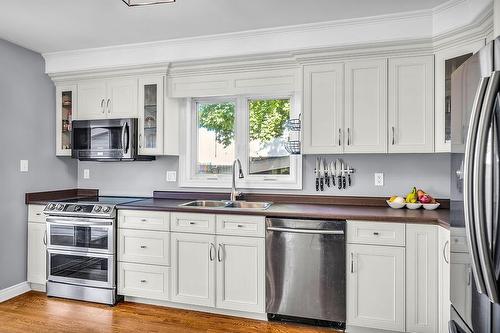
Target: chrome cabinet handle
393	136
352	262
102	105
240	225
220	252
143	246
140	140
143	220
469	273
143	281
468	180
444	252
348	136
340	136
45	238
210	255
38	214
479	173
107	105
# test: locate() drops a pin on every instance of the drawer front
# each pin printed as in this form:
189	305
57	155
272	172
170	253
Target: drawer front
148	247
240	225
458	240
35	213
143	281
193	222
147	220
377	233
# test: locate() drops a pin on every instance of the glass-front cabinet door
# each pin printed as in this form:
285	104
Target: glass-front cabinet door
151	99
65	113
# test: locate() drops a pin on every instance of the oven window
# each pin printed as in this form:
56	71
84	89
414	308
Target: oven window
79	267
84	237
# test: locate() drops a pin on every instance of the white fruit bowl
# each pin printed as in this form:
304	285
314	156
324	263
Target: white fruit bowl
431	206
413	205
395	205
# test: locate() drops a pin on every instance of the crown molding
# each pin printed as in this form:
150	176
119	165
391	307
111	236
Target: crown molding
150	69
415	32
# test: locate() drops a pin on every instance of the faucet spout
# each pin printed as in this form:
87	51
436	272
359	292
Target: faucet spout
234	193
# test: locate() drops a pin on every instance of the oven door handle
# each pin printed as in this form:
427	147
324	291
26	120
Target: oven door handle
79	221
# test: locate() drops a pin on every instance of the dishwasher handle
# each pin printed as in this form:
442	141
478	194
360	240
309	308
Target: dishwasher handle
307	231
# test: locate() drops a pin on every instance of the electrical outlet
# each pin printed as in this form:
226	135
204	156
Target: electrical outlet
171	176
379	179
23	165
86	173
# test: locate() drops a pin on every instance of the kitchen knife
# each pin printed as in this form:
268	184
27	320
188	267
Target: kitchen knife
338	168
328	172
333	172
316	174
348	175
321	174
343	176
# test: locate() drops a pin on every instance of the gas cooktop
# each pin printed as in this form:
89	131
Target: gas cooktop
103	206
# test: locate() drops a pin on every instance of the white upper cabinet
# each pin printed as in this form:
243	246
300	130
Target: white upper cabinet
411	104
121	99
92	99
113	98
365	127
447	61
151	97
323	108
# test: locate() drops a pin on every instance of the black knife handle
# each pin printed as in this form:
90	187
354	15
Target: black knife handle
317	184
327	181
343	182
349	180
339	180
321	184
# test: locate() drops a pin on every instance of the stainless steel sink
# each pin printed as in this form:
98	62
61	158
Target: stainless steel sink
227	204
206	203
249	205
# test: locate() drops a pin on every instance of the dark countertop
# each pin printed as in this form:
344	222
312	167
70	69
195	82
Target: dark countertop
341	212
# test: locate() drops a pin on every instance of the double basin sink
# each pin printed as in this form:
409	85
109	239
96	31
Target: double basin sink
227	204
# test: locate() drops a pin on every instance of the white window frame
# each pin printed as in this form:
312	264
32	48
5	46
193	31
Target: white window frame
188	156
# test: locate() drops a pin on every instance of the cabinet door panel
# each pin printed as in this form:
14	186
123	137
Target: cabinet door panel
366	107
323	108
37	253
151	96
376	287
411	105
240	273
91	99
121	99
193	265
422	278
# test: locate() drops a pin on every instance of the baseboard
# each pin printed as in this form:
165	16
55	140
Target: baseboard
16	290
38	287
249	315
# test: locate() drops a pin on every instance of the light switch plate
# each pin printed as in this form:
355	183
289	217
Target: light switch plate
171	176
86	173
379	179
23	165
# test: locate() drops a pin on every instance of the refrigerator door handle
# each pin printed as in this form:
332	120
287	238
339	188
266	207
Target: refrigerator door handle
468	182
479	174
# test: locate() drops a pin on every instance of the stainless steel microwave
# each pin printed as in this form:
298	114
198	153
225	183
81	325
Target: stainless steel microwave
106	140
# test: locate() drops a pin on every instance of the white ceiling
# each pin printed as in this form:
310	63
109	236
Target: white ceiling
60	25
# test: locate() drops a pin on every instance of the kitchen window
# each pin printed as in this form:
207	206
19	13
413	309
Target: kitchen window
251	128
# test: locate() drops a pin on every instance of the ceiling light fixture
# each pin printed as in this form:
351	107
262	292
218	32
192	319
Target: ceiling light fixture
134	3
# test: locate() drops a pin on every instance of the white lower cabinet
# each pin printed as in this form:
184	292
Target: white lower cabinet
193	268
144	280
240	273
37	271
376	287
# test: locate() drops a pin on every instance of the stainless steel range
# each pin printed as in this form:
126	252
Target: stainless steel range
81	248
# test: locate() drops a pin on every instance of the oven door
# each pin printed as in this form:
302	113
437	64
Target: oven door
81	234
87	269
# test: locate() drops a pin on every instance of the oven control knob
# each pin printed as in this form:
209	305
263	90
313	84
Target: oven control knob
60	207
78	208
51	206
97	209
106	209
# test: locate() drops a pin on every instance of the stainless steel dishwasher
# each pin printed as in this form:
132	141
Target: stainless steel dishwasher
305	270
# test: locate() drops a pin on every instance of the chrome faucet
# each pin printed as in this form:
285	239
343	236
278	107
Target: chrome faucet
235	194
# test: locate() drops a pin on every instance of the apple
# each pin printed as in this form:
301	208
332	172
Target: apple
425	199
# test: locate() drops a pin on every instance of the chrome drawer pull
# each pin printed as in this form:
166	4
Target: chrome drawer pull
143	220
143	246
143	281
240	225
376	233
192	223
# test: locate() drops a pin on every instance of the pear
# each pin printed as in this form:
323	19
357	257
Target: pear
412	197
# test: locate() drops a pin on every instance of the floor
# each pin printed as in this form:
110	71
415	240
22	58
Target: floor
34	312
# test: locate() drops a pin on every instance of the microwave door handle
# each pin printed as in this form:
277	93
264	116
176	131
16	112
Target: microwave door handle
125	138
468	182
479	173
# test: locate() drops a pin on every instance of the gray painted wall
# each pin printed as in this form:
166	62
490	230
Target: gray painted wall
401	171
27	127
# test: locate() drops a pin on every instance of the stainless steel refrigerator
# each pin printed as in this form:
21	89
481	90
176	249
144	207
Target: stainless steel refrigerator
475	192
